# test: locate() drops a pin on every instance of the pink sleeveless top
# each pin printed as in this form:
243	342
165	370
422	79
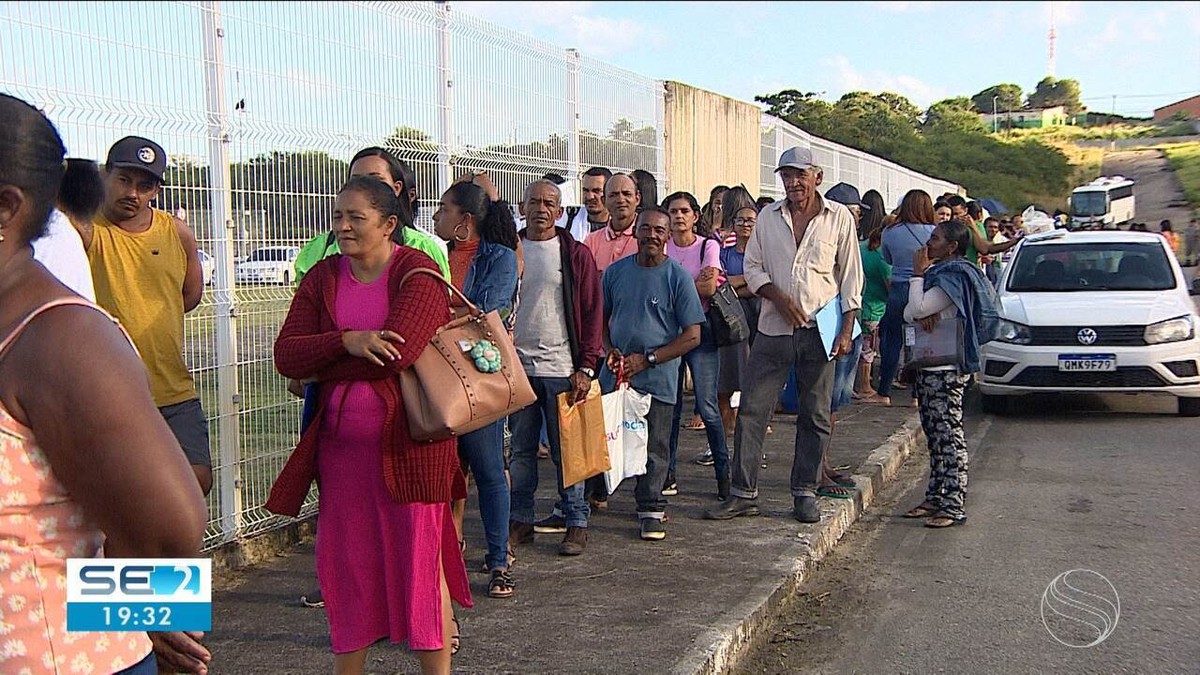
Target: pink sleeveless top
40	527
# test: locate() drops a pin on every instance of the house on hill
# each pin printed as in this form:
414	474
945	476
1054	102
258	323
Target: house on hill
1027	118
1188	106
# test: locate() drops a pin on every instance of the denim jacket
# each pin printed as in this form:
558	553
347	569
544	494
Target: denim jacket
491	282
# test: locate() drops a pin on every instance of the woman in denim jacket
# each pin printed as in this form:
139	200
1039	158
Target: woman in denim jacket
482	238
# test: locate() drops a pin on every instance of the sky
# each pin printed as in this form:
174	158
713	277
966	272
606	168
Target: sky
1147	54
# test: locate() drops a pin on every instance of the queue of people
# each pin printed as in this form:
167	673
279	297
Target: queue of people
627	303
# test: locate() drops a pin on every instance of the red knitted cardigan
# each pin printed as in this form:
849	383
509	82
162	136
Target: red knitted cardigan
310	345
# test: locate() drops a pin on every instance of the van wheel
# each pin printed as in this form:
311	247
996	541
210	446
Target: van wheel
997	404
1189	407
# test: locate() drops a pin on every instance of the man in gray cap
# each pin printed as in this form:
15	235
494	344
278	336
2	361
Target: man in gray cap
802	254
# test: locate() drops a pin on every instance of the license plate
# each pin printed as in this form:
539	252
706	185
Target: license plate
1098	363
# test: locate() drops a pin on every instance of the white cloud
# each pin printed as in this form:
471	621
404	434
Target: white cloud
848	78
1134	28
570	24
1065	13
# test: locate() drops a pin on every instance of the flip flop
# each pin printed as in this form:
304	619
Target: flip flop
940	520
835	492
843	479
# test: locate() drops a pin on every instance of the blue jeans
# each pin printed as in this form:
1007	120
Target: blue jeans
704	362
843	375
526	425
483	451
891	336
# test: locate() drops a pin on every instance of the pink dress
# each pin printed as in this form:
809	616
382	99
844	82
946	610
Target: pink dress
377	560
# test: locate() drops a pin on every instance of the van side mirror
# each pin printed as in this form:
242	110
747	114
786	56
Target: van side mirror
1195	287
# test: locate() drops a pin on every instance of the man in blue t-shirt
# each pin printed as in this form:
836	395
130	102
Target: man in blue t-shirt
652	316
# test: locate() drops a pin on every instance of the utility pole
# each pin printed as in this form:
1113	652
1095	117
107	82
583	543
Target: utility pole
1112	125
995	119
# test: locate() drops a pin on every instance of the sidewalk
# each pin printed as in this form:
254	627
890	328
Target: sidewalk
684	605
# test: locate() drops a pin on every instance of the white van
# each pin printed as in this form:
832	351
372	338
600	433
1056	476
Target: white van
269	265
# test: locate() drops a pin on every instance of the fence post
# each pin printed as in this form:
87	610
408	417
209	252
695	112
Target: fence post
445	99
228	450
576	119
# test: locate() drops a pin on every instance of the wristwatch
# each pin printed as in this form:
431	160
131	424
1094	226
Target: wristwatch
589	372
651	358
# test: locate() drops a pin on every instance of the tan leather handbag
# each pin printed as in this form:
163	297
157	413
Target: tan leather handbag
445	394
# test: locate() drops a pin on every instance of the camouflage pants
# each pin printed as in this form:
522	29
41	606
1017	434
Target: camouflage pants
940	393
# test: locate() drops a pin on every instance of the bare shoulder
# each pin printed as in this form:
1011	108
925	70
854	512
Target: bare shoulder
185	231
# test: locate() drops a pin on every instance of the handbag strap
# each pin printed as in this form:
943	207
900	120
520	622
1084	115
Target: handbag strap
471	307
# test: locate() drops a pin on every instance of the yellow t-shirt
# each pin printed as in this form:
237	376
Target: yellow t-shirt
139	279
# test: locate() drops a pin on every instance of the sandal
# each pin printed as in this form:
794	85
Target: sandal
694	426
835	492
941	520
456	639
501	585
923	511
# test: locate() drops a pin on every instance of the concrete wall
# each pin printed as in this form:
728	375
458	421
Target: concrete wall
710	140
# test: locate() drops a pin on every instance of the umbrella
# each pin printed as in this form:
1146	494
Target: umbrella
993	206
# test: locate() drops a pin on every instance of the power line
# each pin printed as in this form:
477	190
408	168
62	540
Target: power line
1109	96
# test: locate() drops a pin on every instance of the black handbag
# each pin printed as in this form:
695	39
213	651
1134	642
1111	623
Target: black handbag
726	318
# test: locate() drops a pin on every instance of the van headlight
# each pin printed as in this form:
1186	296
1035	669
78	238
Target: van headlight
1171	330
1013	333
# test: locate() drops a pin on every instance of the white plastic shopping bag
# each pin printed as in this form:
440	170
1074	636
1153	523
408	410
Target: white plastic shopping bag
625	426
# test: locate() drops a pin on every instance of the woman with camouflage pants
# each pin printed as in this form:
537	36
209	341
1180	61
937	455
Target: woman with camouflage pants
945	287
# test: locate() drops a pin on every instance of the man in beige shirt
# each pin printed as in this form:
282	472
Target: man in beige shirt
802	255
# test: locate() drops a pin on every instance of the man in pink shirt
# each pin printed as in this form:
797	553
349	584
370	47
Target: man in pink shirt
616	241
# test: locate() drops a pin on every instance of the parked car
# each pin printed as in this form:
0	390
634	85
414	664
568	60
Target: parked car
208	266
269	265
1094	312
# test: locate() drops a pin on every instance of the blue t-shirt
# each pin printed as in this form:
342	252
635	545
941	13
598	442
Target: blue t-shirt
646	308
900	243
733	261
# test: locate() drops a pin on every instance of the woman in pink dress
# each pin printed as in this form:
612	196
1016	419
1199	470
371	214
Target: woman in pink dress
388	560
88	466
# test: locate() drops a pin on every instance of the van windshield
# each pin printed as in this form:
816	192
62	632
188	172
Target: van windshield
1115	266
1087	204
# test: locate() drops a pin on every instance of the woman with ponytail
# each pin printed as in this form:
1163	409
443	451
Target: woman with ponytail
482	237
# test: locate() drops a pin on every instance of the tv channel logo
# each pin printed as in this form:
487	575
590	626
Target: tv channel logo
139	594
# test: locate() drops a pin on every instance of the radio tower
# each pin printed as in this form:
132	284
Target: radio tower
1053	35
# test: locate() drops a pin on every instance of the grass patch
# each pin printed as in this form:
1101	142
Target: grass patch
1185	161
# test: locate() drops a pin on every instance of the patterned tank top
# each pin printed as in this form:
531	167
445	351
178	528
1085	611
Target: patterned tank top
40	527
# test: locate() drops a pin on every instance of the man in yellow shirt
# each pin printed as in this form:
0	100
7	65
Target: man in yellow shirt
147	273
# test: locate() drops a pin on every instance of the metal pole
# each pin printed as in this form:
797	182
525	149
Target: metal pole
995	119
228	465
576	119
445	99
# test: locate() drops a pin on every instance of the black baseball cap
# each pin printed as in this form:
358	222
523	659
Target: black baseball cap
846	194
135	152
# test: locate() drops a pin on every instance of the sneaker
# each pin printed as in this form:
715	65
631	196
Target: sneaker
653	529
520	533
574	542
706	458
734	507
805	510
671	488
313	599
551	524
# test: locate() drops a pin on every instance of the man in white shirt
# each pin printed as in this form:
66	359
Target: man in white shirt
803	253
60	250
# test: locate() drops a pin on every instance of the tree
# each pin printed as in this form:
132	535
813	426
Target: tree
952	115
998	98
803	110
417	149
1051	92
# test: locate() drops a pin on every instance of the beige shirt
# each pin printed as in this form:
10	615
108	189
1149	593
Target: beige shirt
825	263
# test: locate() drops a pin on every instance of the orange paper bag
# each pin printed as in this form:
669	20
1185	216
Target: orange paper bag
581	433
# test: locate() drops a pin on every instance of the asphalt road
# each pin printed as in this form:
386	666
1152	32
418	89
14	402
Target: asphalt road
1103	484
1157	192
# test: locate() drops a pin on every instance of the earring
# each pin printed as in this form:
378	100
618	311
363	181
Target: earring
1	235
462	238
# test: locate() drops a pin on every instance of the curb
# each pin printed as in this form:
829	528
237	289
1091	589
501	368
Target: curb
722	654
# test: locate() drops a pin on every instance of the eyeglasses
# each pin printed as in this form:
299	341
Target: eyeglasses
741	222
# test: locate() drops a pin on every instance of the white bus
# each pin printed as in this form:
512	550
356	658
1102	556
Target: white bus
1102	204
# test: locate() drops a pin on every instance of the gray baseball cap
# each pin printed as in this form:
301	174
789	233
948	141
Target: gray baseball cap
795	157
